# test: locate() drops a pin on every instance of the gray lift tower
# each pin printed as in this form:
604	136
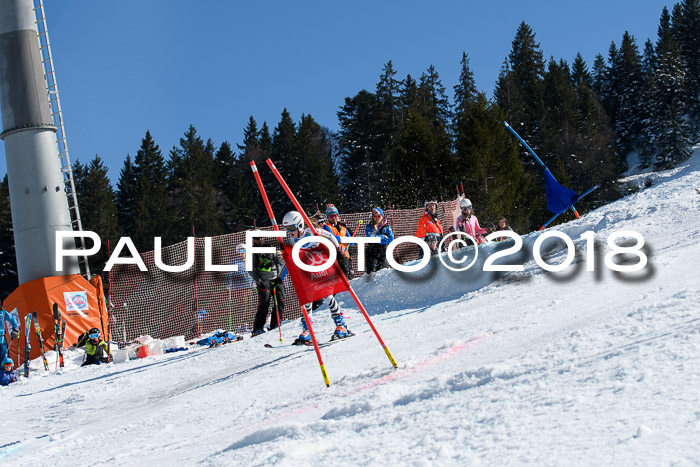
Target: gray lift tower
37	179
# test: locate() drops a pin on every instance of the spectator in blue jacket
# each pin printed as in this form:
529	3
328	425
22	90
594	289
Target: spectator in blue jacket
7	376
376	253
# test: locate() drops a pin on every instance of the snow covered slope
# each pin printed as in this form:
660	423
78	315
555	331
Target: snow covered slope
521	367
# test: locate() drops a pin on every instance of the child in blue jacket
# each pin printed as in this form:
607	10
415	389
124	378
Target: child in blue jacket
7	376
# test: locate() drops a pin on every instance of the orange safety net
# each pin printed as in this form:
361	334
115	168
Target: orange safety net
193	302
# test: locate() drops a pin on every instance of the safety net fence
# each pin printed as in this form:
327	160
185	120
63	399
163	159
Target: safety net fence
194	302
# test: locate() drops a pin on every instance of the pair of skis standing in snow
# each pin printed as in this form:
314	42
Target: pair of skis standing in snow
8	364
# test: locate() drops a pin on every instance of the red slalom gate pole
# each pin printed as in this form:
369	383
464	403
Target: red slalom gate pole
196	298
109	303
342	275
271	214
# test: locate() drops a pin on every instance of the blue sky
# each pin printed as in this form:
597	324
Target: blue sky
124	67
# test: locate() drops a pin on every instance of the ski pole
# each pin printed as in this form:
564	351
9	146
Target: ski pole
9	346
277	310
359	223
342	275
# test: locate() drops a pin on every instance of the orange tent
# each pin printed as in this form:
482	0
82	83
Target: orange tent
77	300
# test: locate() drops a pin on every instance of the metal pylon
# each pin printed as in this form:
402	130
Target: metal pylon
57	116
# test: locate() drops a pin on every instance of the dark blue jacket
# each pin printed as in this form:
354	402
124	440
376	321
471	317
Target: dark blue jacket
7	378
383	231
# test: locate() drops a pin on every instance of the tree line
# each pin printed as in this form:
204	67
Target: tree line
407	140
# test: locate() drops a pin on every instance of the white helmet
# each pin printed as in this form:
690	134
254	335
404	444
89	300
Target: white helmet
240	249
465	203
293	219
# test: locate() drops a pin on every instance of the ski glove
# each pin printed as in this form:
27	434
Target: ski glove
14	333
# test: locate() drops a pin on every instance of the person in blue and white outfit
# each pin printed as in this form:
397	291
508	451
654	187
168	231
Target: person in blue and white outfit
293	223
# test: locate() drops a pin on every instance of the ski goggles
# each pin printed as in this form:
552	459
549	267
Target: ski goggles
8	366
466	208
94	335
290	228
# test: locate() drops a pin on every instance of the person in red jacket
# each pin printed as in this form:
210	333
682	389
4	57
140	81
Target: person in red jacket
429	226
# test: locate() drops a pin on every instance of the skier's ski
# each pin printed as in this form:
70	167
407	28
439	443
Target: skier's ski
27	344
37	327
320	344
58	337
279	346
335	338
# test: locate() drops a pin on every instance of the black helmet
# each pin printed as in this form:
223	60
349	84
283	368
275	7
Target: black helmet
94	333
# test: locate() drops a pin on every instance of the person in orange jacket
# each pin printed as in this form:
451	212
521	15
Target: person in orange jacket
429	226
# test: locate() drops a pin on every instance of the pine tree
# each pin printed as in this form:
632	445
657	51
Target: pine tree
670	127
408	97
600	77
191	184
557	126
519	87
647	138
282	153
579	73
316	183
686	32
98	207
465	91
409	176
151	201
627	87
432	100
607	85
8	261
243	191
361	153
388	110
126	189
225	186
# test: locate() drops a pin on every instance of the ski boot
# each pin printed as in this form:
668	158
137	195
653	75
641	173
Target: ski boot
257	332
303	339
341	329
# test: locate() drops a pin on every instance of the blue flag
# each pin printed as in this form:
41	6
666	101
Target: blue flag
559	198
